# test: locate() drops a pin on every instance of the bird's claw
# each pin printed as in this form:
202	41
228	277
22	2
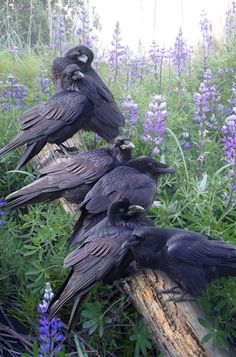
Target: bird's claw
174	290
181	298
66	150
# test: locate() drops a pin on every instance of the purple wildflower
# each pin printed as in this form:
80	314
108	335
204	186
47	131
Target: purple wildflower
155	124
205	101
58	32
13	94
229	22
2	213
179	54
117	53
43	82
83	29
50	331
229	138
130	111
206	30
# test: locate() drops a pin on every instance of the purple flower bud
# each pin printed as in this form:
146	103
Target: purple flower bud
155	124
50	332
130	111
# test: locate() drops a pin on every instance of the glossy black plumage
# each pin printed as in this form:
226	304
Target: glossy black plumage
107	118
191	259
100	256
55	120
74	177
136	181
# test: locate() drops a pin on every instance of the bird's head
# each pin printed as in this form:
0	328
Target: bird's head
150	166
122	209
71	71
70	75
123	143
141	237
80	53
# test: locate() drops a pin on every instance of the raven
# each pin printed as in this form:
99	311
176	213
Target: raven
55	120
135	180
106	119
65	113
100	257
191	259
74	177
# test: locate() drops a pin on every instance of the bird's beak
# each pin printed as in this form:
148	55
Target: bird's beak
77	75
83	58
130	243
134	209
127	145
166	169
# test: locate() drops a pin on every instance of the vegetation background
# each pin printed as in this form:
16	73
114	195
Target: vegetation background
179	106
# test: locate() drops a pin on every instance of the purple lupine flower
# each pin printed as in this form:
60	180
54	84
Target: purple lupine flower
12	94
130	111
117	53
229	140
205	101
14	49
2	212
206	30
229	21
155	56
58	32
154	125
179	54
43	82
83	29
50	331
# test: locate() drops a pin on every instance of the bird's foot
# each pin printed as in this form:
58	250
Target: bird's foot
125	279
63	149
174	290
181	298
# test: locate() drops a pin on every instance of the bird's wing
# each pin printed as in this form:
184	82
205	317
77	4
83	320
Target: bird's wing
62	109
84	168
95	242
122	182
90	263
199	250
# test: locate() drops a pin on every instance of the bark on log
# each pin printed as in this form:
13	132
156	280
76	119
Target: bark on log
174	326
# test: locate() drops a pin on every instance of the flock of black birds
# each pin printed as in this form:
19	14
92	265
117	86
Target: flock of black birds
112	190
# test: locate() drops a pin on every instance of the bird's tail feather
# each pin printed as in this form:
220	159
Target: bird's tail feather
17	141
30	152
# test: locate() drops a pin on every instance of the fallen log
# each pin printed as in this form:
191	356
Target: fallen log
174	326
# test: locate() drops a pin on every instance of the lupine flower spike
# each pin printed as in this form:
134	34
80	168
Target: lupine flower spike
205	101
50	332
2	213
130	111
154	125
229	140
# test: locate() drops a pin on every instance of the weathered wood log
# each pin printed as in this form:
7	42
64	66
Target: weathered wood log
174	326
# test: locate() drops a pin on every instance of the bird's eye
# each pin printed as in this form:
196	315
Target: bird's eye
150	164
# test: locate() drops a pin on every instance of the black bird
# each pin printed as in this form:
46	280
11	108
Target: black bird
55	120
191	259
74	177
81	56
107	118
68	111
136	181
100	257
